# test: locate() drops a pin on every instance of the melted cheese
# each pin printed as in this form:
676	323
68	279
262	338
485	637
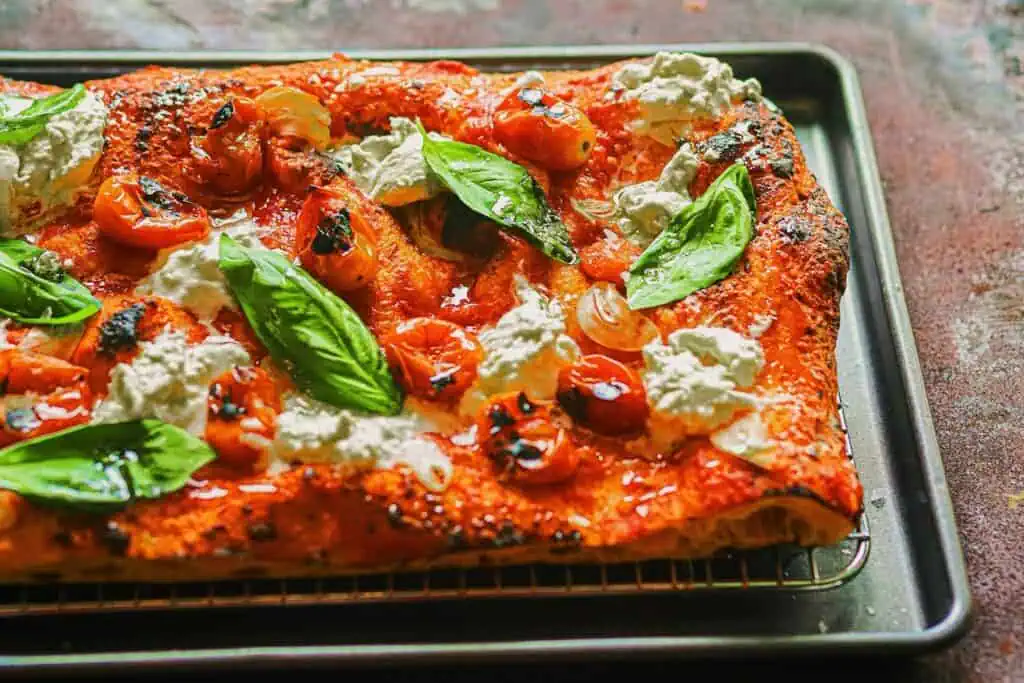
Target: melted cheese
169	380
51	169
524	351
676	88
311	431
190	275
643	210
692	381
390	168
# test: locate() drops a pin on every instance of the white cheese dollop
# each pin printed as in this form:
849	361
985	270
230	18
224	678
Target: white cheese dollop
51	169
169	380
190	275
692	381
524	351
747	437
390	168
643	210
311	431
678	87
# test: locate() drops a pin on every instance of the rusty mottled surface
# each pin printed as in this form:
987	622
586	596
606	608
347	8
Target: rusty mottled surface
944	86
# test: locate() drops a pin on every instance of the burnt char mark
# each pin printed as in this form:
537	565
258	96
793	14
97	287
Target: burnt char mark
722	147
116	539
333	234
508	536
795	229
142	138
120	332
223	115
782	167
261	531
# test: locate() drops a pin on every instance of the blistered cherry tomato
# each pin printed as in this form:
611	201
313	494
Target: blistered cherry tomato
536	125
42	395
229	157
336	242
525	443
433	359
603	395
140	212
242	409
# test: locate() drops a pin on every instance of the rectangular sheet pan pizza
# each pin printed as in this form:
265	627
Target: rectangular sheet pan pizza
349	316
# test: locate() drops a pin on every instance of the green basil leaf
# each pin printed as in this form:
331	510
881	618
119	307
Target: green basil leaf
19	128
103	465
700	245
501	190
34	295
309	331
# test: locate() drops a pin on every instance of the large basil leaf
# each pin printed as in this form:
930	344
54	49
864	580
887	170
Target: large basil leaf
503	191
35	290
700	245
19	128
312	333
103	465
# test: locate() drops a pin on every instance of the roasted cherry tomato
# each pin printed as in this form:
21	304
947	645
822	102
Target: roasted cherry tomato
41	395
229	157
603	395
293	165
537	125
140	212
336	241
241	413
434	359
523	440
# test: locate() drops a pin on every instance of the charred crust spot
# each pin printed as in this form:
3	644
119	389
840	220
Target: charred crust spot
333	234
261	531
783	167
116	539
120	332
795	230
722	147
223	115
566	541
508	536
456	538
63	538
142	137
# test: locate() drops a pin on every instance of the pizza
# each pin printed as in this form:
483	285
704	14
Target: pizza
350	316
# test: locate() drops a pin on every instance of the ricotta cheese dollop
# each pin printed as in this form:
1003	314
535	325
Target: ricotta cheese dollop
311	431
51	169
190	275
692	381
391	168
678	87
169	380
524	351
644	209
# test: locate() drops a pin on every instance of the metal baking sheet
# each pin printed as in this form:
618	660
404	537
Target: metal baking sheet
909	596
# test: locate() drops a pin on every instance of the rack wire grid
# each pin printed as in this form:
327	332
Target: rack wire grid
778	567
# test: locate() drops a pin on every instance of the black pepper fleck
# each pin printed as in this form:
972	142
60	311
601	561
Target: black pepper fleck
262	531
115	538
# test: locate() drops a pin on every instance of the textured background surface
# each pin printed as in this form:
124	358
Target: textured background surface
944	86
